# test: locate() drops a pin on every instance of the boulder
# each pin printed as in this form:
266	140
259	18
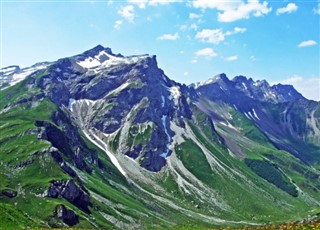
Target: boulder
9	193
66	215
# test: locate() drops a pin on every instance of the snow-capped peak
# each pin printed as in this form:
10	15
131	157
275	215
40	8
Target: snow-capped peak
105	59
12	75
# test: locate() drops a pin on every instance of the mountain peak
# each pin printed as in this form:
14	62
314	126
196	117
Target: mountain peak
102	57
98	47
288	92
261	83
221	76
96	50
241	78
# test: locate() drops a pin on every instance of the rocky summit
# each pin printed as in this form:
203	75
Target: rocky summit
101	140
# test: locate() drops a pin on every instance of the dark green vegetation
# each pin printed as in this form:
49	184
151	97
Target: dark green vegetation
272	174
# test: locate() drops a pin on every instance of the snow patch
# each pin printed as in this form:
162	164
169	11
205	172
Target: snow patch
119	89
99	62
209	81
7	70
71	102
228	125
104	148
255	114
247	115
250	114
175	94
163	101
235	107
89	63
245	86
164	121
17	77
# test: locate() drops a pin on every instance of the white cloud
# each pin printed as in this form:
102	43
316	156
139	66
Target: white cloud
193	61
307	43
244	11
230	11
127	12
143	3
169	37
206	52
239	30
290	8
219	5
231	58
117	24
194	16
186	73
215	36
308	87
316	10
140	3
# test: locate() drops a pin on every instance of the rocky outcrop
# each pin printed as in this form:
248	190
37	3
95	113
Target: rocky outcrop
58	158
66	215
67	142
9	193
71	192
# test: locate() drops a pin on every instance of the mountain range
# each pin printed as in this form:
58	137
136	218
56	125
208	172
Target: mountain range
102	140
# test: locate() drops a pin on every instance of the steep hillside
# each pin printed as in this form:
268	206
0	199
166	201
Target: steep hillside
100	140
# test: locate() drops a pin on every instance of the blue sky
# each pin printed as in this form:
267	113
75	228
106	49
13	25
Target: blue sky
195	40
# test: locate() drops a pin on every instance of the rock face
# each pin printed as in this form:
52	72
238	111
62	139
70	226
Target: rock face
68	141
71	192
66	215
110	93
279	111
240	86
133	102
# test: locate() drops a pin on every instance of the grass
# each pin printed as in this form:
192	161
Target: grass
140	134
248	128
12	218
246	201
194	159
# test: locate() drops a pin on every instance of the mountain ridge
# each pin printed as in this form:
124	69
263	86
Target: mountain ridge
99	48
115	141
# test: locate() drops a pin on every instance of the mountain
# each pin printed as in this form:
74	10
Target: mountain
102	140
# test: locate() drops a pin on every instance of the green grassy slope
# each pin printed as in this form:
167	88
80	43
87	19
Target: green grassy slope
259	187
